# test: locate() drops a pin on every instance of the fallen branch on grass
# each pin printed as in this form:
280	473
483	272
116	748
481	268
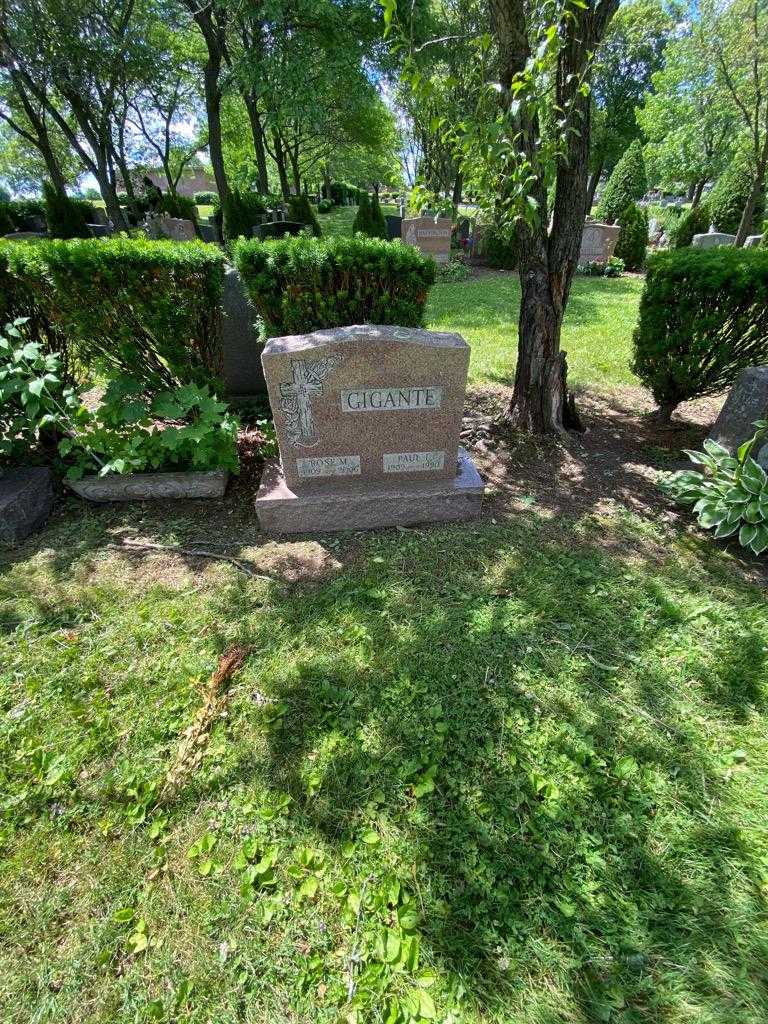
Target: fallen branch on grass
194	552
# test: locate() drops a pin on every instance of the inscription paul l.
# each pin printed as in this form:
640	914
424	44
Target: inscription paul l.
296	395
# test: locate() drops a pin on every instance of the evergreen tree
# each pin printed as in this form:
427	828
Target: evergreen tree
633	237
627	183
362	221
65	217
728	198
300	210
378	223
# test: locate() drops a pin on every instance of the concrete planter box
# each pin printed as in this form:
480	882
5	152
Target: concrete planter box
151	486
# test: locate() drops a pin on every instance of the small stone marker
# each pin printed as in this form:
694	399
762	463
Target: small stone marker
432	236
598	242
712	239
747	401
753	241
26	499
368	420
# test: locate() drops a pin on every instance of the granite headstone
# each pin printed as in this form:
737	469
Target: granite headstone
747	401
26	499
240	344
368	420
432	235
598	242
712	239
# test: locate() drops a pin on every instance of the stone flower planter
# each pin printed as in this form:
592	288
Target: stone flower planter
151	486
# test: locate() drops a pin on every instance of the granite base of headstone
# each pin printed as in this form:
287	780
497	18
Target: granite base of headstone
176	229
26	499
747	401
208	232
368	420
26	236
241	349
100	230
712	239
753	241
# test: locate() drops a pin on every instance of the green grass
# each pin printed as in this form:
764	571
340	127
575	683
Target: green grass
597	333
530	789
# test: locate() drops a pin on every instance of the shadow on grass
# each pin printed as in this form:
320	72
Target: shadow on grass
581	836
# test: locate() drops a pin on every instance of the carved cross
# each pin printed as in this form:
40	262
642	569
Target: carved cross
305	384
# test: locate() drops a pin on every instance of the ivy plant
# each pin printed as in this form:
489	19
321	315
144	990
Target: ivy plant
729	494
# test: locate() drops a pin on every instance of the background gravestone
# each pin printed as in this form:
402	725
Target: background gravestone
746	402
240	345
177	229
598	242
432	236
368	421
712	239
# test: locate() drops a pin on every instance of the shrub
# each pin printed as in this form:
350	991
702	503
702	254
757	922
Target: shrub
453	271
240	212
728	198
703	318
185	428
300	210
325	206
174	205
5	195
65	217
500	246
206	198
6	221
362	222
378	224
121	304
730	494
35	404
627	183
303	284
693	222
614	267
25	212
633	237
341	191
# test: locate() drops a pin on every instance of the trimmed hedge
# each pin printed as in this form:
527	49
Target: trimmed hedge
627	183
633	237
240	211
148	308
703	319
174	205
304	284
206	198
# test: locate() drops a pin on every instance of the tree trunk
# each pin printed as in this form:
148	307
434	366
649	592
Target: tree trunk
295	173
748	216
458	186
594	181
108	194
213	114
326	181
285	188
697	192
257	131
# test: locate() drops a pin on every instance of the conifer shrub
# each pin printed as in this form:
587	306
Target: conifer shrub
362	222
378	223
728	198
206	198
300	210
694	222
626	185
240	212
632	242
303	284
703	319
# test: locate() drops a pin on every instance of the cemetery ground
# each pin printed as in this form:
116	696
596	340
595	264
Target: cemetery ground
505	772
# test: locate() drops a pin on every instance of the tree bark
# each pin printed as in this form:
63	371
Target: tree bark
279	155
697	192
548	257
758	186
594	181
458	187
257	131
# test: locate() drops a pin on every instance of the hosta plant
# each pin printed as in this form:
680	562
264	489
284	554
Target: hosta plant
729	494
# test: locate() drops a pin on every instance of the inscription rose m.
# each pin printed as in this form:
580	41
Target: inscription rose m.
296	396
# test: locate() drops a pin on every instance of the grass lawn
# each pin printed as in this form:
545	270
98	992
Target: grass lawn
509	773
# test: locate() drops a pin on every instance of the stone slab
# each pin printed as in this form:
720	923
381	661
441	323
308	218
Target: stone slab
747	401
429	234
177	229
151	486
712	239
753	241
598	242
240	345
368	506
346	401
26	499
